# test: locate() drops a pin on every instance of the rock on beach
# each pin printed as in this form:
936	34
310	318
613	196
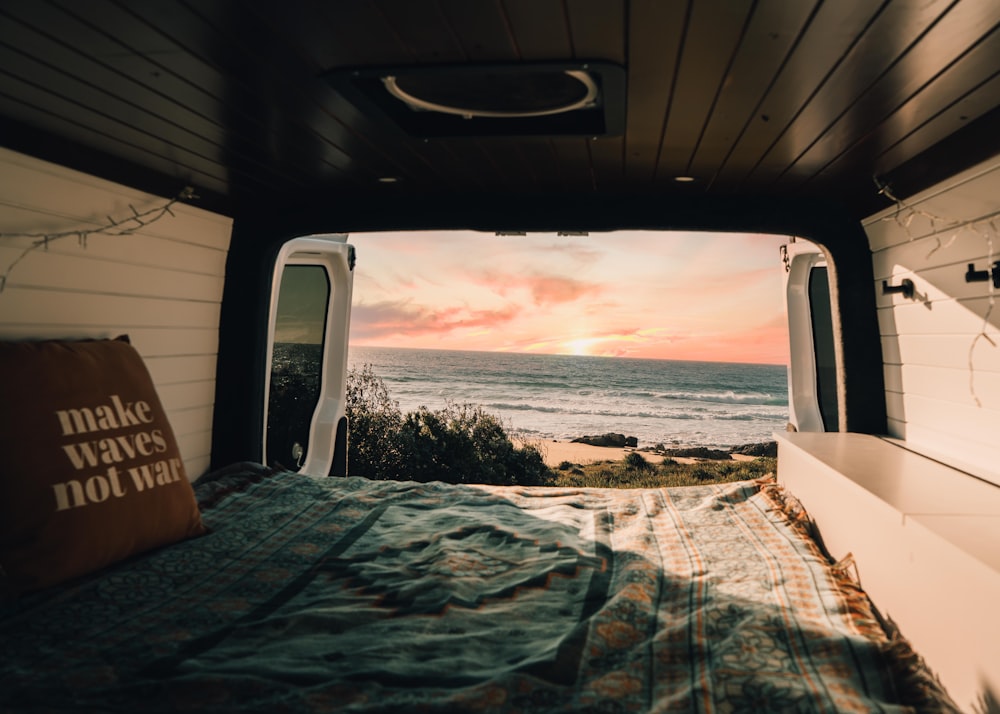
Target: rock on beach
610	439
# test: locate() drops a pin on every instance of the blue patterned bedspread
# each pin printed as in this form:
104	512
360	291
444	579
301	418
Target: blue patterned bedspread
373	596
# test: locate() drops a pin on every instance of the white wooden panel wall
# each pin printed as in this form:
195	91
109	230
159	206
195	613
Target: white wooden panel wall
162	286
942	383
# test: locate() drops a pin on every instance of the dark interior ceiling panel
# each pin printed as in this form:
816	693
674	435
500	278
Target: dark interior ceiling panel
597	29
942	102
876	77
772	32
783	98
828	34
713	33
656	35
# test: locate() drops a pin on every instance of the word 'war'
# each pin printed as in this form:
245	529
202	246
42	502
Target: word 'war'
76	493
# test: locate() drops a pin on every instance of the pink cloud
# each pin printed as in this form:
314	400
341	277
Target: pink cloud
544	289
385	319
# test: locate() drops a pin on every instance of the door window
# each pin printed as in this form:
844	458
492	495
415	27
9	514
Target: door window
296	362
820	313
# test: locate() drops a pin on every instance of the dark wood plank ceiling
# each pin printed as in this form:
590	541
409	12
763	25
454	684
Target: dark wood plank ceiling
753	97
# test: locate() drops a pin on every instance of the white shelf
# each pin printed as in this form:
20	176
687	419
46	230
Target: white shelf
926	541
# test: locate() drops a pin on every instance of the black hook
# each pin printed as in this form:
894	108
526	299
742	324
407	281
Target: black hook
905	286
977	276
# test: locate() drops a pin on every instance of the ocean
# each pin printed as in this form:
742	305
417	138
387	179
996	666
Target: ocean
667	402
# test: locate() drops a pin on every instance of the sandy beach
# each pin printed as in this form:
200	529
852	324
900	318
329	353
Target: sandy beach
555	452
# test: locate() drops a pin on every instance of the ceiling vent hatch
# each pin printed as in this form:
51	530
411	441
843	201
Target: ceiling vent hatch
549	99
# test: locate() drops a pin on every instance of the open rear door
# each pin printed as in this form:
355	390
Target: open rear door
812	377
305	386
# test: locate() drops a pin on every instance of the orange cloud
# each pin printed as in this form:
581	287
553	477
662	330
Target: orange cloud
544	289
387	319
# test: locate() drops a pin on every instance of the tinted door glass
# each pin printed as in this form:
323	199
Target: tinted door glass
826	361
296	362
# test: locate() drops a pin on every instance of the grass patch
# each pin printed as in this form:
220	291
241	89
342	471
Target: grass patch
631	472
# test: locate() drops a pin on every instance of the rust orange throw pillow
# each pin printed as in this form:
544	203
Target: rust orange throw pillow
90	472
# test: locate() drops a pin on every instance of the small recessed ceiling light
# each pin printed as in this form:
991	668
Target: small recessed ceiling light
387	179
684	179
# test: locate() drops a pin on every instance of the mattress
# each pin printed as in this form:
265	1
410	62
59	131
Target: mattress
380	596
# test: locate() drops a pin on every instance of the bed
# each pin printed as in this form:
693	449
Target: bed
347	594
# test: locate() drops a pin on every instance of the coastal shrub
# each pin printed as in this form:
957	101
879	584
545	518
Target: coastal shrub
461	443
565	465
726	468
637	462
374	448
700	473
612	478
758	468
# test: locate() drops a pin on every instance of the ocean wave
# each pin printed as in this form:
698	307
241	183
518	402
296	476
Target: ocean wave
529	383
618	414
529	408
756	416
602	413
728	397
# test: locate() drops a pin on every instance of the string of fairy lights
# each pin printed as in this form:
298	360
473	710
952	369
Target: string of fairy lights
986	227
127	225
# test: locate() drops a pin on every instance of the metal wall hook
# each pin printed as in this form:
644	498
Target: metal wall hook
905	287
978	276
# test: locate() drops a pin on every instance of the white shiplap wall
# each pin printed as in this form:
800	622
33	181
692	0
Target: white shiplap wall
162	285
943	384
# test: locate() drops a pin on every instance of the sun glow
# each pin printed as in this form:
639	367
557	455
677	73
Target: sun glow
579	347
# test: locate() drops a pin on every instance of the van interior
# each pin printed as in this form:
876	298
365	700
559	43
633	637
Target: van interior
163	163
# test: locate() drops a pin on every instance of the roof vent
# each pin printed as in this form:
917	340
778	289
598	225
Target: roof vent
541	99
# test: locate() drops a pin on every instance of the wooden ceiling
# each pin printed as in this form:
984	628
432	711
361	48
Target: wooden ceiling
765	98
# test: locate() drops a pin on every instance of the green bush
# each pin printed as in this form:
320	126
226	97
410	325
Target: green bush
702	473
461	443
637	462
374	422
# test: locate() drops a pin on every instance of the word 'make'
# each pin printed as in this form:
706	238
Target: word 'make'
117	415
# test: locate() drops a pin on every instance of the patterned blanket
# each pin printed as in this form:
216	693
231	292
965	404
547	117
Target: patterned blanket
354	595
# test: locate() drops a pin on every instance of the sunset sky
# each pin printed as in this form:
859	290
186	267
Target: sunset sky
712	297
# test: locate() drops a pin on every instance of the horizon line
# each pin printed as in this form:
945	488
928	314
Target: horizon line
563	354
